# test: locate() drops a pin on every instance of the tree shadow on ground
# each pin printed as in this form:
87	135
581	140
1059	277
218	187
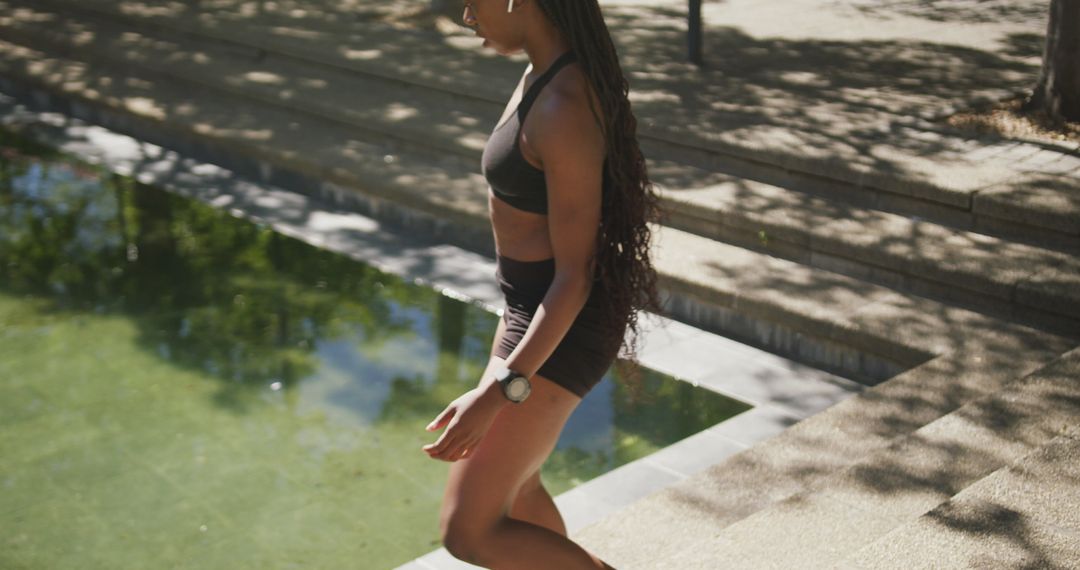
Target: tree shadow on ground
845	103
966	11
907	446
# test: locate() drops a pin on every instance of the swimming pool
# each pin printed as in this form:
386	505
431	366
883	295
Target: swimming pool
182	388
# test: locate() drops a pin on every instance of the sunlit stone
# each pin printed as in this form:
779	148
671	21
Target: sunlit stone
264	77
361	53
399	112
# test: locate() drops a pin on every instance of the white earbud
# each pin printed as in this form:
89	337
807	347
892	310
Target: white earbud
510	6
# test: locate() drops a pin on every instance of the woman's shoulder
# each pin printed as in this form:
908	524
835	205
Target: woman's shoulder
563	122
569	97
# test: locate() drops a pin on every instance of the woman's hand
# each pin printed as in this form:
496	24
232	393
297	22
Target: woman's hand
469	417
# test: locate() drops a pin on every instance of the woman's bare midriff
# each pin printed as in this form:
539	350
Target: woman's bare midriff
519	234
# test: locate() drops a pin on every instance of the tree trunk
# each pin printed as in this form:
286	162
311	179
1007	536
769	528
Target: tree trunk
1058	90
694	33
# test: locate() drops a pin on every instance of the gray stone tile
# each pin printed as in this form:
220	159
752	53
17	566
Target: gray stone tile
1041	159
1065	164
695	453
690	358
441	559
1036	199
416	565
628	483
800	389
988	151
1055	289
579	509
755	425
659	332
1018	153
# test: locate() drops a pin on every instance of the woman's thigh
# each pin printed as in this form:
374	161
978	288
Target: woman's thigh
482	488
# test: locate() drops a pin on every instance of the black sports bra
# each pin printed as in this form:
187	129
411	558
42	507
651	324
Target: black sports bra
510	176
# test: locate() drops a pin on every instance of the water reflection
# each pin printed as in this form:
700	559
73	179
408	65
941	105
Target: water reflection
311	373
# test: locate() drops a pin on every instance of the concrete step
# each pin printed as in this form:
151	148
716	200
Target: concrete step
1021	516
844	325
849	508
269	143
375	106
936	176
1009	280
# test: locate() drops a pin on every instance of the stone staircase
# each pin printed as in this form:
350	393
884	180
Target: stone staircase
943	272
1026	502
857	514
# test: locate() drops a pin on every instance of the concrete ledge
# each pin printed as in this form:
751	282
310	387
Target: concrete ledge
1039	198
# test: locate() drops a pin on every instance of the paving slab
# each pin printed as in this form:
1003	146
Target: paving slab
971	534
1048	288
1043	198
1037	486
785	539
1019	515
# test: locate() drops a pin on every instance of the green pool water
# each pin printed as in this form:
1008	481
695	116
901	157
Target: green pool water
183	389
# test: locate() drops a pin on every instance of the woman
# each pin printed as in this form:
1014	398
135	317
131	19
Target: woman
569	201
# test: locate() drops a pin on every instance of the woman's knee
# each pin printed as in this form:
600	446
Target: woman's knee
464	537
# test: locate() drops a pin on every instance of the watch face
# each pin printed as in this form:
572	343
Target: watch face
518	389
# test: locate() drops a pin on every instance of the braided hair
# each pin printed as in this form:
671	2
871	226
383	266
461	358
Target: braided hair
630	202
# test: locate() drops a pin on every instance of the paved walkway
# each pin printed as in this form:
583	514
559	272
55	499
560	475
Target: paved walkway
830	78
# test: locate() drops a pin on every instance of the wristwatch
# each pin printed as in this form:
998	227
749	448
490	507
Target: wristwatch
515	386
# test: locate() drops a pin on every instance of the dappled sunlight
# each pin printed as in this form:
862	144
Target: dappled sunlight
298	33
768	92
268	78
967	11
149	108
155	9
360	54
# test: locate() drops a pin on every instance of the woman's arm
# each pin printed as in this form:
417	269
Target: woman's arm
570	144
571	148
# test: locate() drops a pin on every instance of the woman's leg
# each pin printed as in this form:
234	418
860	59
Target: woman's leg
482	489
533	503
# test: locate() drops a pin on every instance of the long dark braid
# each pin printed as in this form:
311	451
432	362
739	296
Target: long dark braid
630	202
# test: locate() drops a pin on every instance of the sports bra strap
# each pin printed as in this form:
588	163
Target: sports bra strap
534	89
